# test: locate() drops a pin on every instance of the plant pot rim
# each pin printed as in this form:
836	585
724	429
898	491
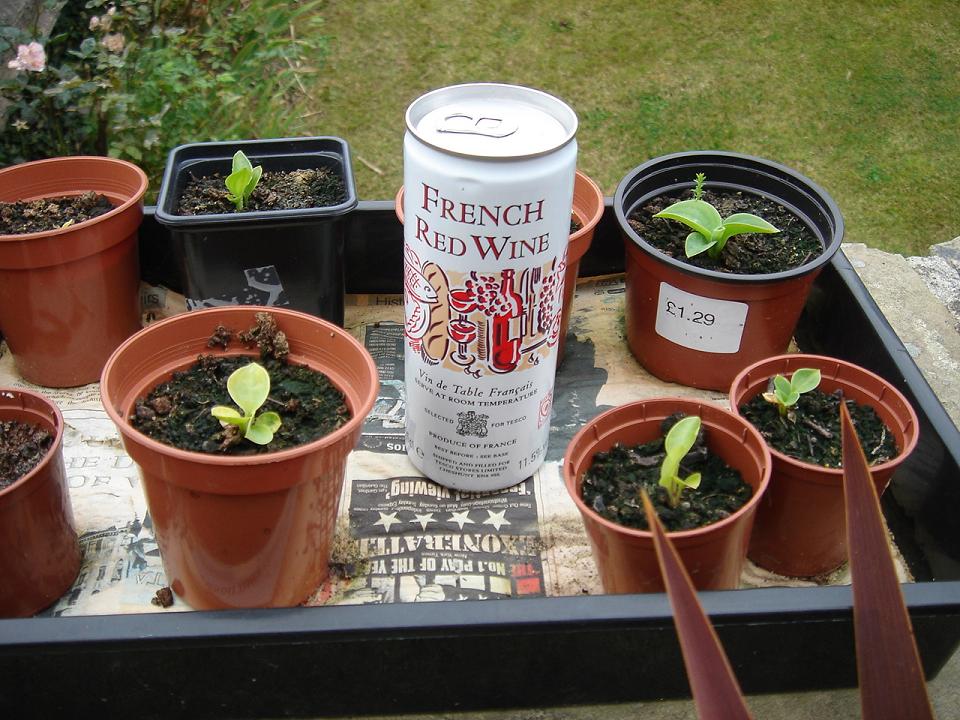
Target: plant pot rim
261	148
359	413
817	361
774	170
106	162
8	398
590	223
689	405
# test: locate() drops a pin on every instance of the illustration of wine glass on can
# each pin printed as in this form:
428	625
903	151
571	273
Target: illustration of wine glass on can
461	329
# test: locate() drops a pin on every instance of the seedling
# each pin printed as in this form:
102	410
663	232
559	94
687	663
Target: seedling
249	387
786	393
677	444
710	231
242	181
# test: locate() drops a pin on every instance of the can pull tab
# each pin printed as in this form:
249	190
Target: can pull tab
464	124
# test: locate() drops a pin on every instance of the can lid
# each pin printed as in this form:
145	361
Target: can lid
492	120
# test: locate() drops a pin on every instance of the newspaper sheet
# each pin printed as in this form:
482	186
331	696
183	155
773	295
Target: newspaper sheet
400	537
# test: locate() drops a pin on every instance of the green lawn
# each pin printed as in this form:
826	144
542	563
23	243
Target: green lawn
863	97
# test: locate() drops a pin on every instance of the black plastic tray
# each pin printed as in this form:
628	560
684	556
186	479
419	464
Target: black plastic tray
509	653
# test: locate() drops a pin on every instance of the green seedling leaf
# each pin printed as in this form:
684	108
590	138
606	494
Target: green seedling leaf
697	243
237	183
677	444
786	393
256	173
681	437
241	161
711	232
261	430
739	223
698	215
228	415
242	181
692	481
805	380
249	388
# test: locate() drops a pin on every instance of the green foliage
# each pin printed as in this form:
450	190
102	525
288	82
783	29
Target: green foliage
786	393
152	74
737	92
677	444
242	181
698	180
710	231
249	387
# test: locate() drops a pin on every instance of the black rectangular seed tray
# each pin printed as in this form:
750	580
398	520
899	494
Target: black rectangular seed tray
540	652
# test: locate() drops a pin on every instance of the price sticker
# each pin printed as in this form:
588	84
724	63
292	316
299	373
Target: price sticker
700	323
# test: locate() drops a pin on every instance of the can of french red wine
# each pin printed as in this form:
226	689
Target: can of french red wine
488	174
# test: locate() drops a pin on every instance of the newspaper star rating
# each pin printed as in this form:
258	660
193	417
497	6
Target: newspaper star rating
387	520
423	520
461	518
496	519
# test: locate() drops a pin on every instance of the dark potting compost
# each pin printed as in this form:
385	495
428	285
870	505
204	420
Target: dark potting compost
612	485
163	597
22	447
294	190
811	430
747	254
30	216
177	412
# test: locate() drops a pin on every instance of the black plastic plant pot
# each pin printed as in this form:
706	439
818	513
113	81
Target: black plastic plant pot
285	258
701	327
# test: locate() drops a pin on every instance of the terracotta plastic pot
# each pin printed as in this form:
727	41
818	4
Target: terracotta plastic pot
670	303
800	529
588	209
251	531
39	552
713	555
68	297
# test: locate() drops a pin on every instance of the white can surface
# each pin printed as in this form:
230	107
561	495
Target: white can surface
488	176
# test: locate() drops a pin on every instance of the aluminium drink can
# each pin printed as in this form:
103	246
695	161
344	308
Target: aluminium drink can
488	172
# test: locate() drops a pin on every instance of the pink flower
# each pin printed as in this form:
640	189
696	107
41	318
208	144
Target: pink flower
29	57
103	22
113	42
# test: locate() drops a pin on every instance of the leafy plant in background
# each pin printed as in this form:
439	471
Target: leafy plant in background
710	231
786	393
678	442
242	181
133	78
249	387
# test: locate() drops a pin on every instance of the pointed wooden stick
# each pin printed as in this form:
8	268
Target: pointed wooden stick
716	692
890	675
